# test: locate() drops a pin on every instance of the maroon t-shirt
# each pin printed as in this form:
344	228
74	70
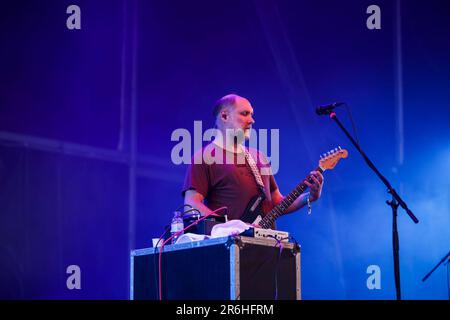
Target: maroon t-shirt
230	183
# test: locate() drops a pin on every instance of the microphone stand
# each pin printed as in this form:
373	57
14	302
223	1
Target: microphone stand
394	203
447	256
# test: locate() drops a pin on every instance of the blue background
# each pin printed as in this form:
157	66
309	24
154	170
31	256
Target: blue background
86	118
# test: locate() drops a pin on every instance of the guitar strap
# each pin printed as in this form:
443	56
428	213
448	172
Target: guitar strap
254	169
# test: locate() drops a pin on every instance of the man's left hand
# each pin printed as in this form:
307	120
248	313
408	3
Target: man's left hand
316	186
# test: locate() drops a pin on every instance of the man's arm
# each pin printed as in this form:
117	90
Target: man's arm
195	199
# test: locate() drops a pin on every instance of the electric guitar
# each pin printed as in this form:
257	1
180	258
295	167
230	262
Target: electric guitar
262	214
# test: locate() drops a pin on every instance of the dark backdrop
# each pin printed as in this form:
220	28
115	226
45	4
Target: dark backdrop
86	118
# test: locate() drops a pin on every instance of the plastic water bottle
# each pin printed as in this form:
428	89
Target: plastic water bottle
176	225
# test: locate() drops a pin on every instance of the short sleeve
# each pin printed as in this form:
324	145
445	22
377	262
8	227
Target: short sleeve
197	178
273	184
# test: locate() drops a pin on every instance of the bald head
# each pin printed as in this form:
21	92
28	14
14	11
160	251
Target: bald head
227	101
234	112
227	104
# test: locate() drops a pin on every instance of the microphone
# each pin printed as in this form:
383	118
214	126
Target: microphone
326	109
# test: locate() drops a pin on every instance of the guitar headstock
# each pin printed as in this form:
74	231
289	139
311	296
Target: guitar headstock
330	159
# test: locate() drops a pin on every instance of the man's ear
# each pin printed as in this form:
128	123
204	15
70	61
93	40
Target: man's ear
224	115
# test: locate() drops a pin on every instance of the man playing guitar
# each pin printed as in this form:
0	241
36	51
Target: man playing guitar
233	182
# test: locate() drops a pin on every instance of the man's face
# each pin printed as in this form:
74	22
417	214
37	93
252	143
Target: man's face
240	117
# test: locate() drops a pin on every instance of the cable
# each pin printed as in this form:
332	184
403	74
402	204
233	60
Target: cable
295	240
347	107
156	249
211	214
190	210
177	234
182	206
276	270
448	284
162	236
278	243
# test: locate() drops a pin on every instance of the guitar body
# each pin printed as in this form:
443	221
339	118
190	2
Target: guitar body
256	209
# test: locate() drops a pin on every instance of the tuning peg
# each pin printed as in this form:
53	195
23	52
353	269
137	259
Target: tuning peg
340	148
332	151
336	150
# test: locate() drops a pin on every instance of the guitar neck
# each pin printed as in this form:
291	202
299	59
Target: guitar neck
280	209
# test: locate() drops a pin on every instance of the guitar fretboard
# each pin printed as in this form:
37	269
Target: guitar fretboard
280	208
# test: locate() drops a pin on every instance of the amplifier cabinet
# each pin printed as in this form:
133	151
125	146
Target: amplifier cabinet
228	268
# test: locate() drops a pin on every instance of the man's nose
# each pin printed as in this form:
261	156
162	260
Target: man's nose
252	121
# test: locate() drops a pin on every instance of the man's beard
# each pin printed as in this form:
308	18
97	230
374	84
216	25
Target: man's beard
238	136
247	133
